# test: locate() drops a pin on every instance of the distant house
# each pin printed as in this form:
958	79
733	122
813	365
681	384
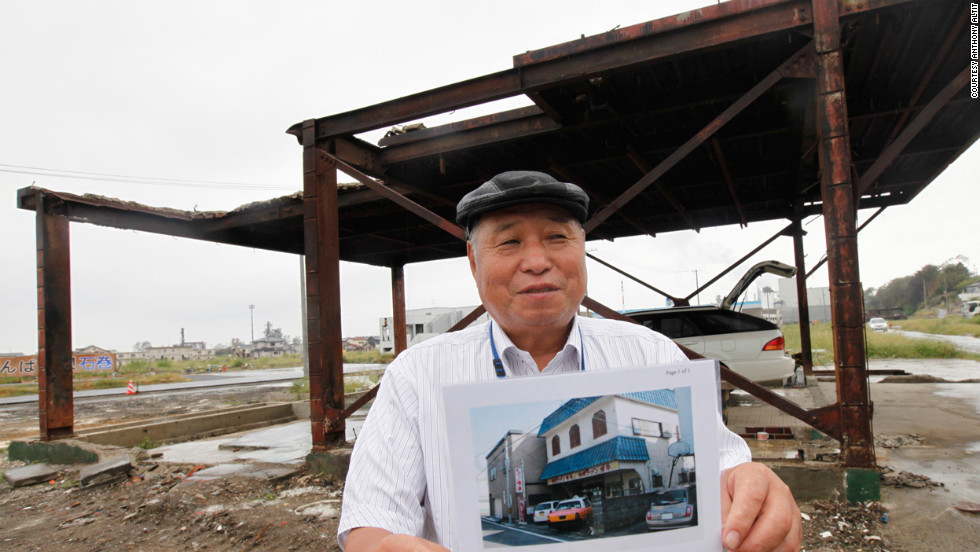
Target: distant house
92	350
422	324
970	293
614	445
271	344
365	343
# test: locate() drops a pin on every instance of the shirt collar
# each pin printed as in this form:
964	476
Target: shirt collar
503	343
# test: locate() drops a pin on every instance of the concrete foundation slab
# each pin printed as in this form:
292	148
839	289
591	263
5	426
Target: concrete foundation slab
111	467
335	462
29	475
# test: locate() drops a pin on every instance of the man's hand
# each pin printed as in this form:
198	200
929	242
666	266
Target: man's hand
372	539
758	511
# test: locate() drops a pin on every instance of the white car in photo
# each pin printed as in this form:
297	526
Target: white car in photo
543	510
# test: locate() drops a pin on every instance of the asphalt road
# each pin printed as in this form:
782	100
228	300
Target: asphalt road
271	376
497	535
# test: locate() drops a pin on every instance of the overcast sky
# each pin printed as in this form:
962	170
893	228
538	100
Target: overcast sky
200	93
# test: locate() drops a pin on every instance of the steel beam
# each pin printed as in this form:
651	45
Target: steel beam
695	141
322	249
644	167
840	213
744	258
802	300
400	336
677	300
729	181
889	154
401	200
55	393
468	319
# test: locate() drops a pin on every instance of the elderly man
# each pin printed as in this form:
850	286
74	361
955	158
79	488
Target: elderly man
526	248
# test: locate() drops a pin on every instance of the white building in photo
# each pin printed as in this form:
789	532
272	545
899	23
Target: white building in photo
615	445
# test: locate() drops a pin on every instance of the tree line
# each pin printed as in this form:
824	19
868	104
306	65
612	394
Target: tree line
930	286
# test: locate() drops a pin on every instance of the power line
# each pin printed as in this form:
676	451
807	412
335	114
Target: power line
150	181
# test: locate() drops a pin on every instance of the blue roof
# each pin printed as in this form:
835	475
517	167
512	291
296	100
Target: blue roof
660	397
619	448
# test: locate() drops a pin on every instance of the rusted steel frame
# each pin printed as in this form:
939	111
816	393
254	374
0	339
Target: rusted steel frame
865	223
840	213
708	28
471	138
401	200
817	418
677	300
646	168
744	258
468	319
322	250
729	181
696	140
361	401
148	219
56	407
365	158
918	123
931	69
475	123
400	336
595	198
802	299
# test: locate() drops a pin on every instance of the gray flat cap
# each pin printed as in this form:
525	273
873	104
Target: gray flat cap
518	187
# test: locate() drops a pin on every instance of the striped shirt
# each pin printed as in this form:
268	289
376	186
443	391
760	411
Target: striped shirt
399	472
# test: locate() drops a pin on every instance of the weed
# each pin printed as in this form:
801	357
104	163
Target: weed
147	444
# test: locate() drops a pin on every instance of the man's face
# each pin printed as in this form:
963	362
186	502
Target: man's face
529	265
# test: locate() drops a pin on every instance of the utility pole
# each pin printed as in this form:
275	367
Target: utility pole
251	310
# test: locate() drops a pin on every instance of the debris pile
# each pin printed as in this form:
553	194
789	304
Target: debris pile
892	478
897	441
831	526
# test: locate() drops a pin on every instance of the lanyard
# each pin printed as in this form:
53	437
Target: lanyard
498	365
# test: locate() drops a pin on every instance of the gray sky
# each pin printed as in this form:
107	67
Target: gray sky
203	92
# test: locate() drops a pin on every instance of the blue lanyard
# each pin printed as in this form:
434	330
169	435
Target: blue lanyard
498	365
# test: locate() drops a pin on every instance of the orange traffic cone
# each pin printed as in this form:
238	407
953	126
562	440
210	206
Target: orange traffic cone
131	389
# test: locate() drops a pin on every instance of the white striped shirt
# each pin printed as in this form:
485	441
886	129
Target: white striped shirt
399	471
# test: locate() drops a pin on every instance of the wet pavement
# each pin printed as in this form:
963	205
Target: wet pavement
964	342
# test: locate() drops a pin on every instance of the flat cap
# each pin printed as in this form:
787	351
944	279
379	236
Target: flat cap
518	187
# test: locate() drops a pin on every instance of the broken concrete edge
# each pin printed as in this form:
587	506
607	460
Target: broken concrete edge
116	466
60	452
29	475
334	462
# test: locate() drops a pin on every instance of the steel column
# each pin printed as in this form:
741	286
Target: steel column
802	300
840	214
55	400
400	336
322	249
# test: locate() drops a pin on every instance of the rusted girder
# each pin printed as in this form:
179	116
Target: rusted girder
468	319
641	164
888	155
700	29
55	394
744	258
322	243
677	300
400	337
802	300
729	181
840	213
695	141
408	204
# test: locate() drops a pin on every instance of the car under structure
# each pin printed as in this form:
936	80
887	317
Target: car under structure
740	112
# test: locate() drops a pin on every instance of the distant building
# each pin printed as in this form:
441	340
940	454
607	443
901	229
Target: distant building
970	293
365	343
422	324
271	344
818	302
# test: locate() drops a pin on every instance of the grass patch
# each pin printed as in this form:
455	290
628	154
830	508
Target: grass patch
368	357
18	390
942	326
880	345
103	382
147	444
